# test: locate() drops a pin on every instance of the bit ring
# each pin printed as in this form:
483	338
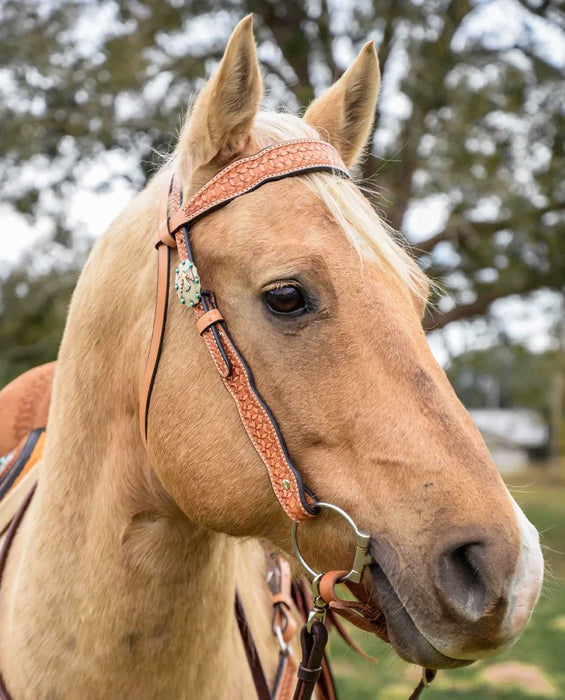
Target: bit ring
361	558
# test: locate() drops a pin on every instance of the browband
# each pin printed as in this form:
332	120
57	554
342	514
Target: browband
285	159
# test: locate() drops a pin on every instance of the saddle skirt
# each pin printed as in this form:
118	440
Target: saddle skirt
24	406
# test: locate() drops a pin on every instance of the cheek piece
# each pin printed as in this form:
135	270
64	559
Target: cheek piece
285	159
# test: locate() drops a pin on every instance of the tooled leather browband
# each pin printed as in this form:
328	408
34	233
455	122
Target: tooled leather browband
285	159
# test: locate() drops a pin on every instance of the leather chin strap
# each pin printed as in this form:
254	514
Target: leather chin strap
244	175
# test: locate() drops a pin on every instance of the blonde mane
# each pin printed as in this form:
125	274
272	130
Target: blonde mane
370	236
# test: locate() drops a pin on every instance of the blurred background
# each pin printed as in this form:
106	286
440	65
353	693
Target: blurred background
466	159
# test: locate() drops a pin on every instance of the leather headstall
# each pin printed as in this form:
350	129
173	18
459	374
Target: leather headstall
289	158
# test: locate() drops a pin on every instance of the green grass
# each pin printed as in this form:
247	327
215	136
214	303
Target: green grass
540	652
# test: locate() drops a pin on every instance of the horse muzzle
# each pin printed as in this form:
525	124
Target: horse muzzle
473	607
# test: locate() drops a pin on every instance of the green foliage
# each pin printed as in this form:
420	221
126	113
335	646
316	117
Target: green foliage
504	376
33	308
482	123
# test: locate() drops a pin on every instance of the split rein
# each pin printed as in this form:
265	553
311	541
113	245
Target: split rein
289	158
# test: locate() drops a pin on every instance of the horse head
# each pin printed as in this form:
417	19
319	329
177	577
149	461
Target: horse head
326	307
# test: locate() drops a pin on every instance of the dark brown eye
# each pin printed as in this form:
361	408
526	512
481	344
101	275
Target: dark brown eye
285	300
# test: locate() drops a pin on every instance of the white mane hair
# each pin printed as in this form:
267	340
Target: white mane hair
371	237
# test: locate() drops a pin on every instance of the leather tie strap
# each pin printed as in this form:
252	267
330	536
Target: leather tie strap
310	669
255	665
289	158
351	610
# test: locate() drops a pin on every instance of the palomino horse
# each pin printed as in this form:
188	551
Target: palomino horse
121	579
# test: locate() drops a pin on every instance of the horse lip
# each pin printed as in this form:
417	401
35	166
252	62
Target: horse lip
409	643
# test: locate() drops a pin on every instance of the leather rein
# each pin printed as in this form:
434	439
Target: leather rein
289	158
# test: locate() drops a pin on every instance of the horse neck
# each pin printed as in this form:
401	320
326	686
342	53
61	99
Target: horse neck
124	571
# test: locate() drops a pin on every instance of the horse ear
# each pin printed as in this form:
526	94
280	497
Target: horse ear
344	114
219	126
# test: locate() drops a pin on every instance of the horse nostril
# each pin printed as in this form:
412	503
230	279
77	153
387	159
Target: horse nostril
461	579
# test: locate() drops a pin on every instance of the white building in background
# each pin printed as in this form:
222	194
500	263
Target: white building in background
512	435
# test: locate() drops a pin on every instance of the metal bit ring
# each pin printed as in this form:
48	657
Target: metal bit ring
361	558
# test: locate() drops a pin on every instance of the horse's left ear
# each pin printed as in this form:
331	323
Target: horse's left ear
219	126
344	114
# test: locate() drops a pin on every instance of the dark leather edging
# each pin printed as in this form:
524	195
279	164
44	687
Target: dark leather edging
16	468
305	171
255	665
302	490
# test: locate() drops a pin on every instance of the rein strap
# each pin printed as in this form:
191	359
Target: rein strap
285	159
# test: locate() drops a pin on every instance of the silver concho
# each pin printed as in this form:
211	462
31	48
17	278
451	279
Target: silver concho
187	283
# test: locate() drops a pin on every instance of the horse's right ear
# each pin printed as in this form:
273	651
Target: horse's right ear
219	126
344	114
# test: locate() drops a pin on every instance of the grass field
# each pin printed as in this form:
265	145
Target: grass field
534	669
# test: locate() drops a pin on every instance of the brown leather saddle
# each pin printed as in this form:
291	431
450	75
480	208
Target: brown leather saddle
24	407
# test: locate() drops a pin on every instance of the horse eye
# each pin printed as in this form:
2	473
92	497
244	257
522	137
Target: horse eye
285	300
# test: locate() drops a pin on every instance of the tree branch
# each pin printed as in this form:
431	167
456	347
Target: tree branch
433	320
276	70
287	29
455	230
428	96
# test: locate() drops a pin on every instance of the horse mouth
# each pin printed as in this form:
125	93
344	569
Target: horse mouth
401	631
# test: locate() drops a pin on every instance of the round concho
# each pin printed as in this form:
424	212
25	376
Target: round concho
187	283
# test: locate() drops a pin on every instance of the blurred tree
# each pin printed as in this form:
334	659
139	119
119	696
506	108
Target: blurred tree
33	307
508	375
504	376
472	114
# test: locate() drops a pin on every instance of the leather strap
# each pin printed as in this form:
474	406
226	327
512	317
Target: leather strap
358	614
427	677
283	625
354	612
6	545
255	665
285	159
286	678
157	335
310	669
259	423
294	157
207	319
302	597
280	583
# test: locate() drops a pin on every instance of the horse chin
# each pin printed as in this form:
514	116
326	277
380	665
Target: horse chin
407	640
